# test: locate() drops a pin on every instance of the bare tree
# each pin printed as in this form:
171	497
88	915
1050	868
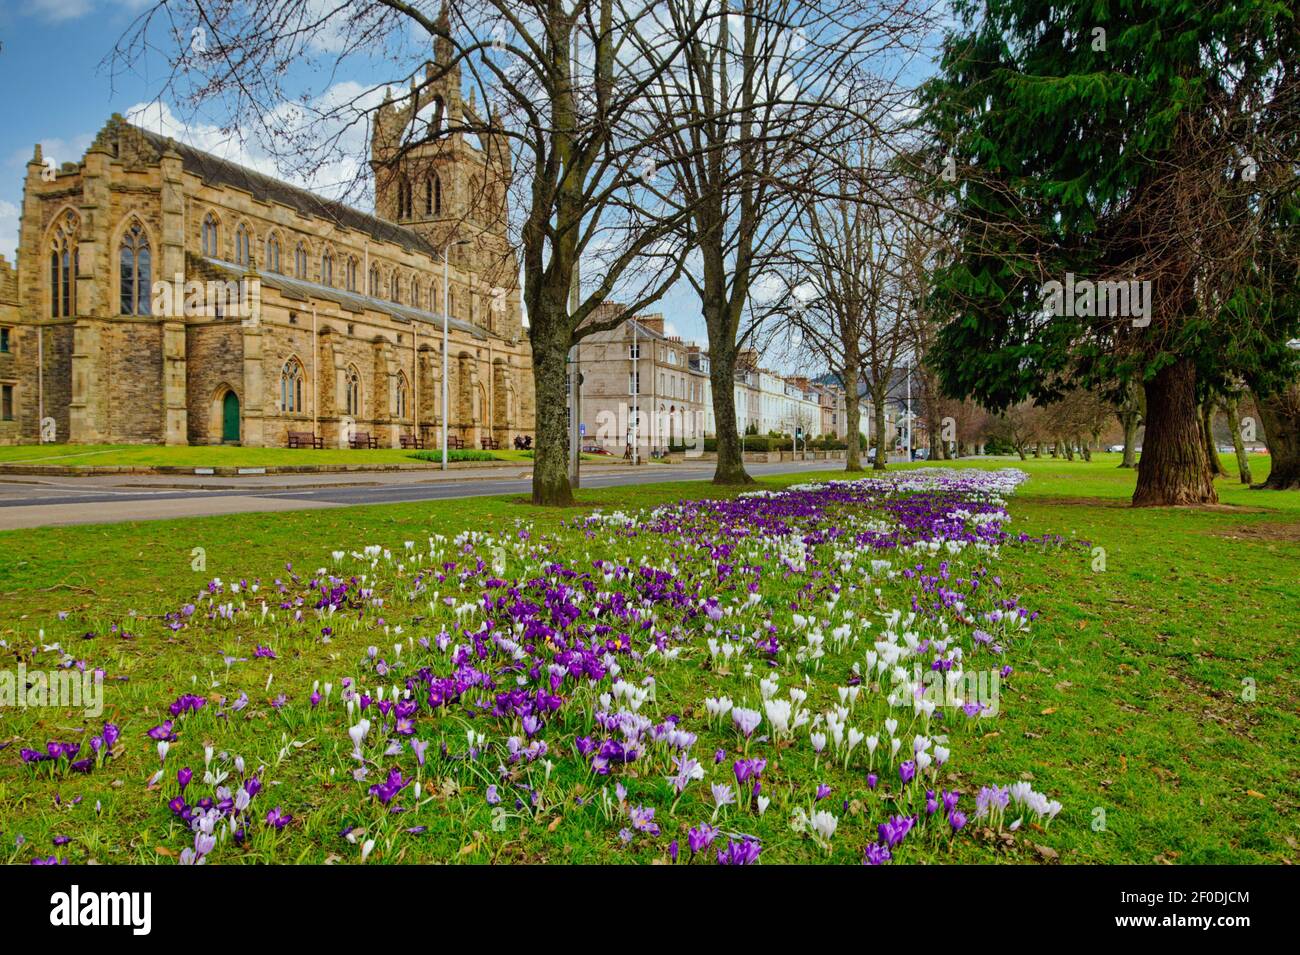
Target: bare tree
563	91
760	101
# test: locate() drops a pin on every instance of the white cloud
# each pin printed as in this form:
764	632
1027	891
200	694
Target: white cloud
332	177
59	11
8	231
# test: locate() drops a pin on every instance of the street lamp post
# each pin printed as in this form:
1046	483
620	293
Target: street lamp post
446	320
636	394
909	409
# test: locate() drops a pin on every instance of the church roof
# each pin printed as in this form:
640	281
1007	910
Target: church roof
301	289
222	172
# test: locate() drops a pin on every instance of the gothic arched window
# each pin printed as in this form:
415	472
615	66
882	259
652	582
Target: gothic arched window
273	253
404	198
326	268
395	287
63	267
210	236
436	200
135	261
352	274
401	395
242	244
352	389
374	281
291	378
300	261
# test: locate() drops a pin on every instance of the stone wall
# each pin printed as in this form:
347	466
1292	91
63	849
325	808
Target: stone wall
215	364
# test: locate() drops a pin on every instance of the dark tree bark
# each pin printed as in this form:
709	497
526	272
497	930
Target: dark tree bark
1173	470
730	469
1280	416
550	337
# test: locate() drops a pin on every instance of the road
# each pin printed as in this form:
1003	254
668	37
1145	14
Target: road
42	502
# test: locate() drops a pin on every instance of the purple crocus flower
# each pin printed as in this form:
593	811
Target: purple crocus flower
744	852
906	771
700	838
183	776
278	818
876	854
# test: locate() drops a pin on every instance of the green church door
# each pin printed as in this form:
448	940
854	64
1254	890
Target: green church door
230	418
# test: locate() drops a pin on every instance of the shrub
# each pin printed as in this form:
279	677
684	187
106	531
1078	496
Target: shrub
454	454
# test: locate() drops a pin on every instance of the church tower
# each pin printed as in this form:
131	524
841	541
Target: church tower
443	170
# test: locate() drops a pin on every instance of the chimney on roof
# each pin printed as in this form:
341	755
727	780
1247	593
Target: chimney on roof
654	322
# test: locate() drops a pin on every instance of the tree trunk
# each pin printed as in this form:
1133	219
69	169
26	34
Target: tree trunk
1129	419
1020	450
878	406
1231	409
551	342
1280	416
1207	432
1038	449
730	469
852	418
1173	469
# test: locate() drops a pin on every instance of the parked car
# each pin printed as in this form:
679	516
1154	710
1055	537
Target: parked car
595	449
1116	449
921	454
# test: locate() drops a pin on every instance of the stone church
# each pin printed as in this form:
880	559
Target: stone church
164	295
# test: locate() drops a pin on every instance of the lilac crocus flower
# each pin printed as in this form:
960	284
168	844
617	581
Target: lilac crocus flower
419	746
906	771
956	819
643	820
723	795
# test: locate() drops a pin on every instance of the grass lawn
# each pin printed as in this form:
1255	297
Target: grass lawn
230	456
1155	696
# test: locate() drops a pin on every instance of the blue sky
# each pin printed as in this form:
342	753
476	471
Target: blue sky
56	93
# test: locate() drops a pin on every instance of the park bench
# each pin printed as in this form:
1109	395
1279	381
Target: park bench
305	439
362	439
491	444
411	441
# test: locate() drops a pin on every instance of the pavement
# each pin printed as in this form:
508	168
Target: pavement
29	501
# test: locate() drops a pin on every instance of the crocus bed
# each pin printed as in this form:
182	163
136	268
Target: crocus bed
781	676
